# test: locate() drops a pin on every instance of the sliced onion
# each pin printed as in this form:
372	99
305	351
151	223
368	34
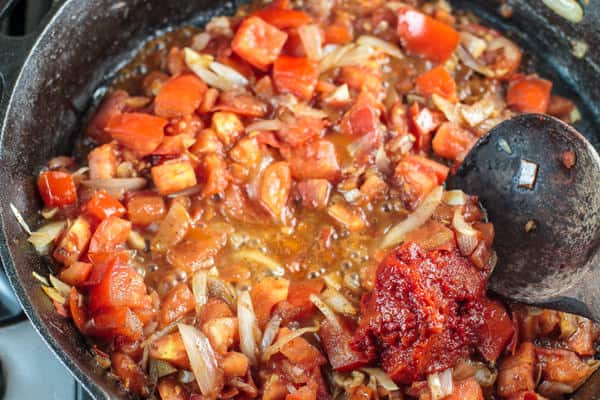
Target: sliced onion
327	312
454	198
333	56
468	59
116	186
248	326
221	290
481	110
568	9
449	109
276	347
382	161
387	47
203	360
229	74
440	384
54	294
340	95
553	389
265	125
43	237
20	218
461	226
311	38
357	55
466	244
48	213
270	333
200	41
304	110
421	215
255	256
338	302
60	286
40	278
200	288
200	64
473	44
333	280
382	378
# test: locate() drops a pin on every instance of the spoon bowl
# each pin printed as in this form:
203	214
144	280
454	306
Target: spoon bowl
539	180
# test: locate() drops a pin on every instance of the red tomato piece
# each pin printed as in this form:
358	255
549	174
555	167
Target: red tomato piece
109	323
452	141
142	133
467	389
336	342
496	331
173	145
440	170
296	75
73	242
121	286
57	188
274	189
418	176
529	94
299	295
425	36
316	159
258	42
437	81
111	232
77	309
113	104
338	34
76	273
362	78
422	123
179	96
283	18
178	302
173	177
103	205
298	131
362	118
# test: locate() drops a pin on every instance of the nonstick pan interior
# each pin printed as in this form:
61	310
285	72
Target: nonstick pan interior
83	44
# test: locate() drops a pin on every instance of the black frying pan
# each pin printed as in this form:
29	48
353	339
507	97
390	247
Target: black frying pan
48	81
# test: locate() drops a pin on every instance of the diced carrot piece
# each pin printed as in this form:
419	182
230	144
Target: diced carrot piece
303	354
111	322
102	205
452	141
274	188
121	286
528	94
146	209
170	348
295	75
78	311
142	133
131	374
313	160
173	177
265	295
57	188
437	81
467	389
234	364
258	42
176	303
102	162
425	36
496	331
113	104
179	96
74	242
111	232
76	273
283	18
221	332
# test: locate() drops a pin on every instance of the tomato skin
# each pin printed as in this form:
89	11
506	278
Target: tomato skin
529	94
179	96
425	36
110	233
283	18
258	42
121	286
437	81
296	75
142	133
103	206
275	187
452	141
57	188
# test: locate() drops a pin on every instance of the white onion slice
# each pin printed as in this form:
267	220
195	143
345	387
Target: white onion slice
568	9
248	326
387	47
43	237
276	347
327	312
440	384
200	288
265	125
454	198
229	73
311	38
20	218
338	302
255	256
270	333
60	286
116	187
382	378
421	215
461	226
203	360
449	109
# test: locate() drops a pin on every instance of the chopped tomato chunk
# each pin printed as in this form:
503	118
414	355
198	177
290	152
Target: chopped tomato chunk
103	205
425	36
362	118
452	141
496	331
112	322
283	18
275	187
258	42
121	286
529	94
437	81
179	96
111	232
265	295
57	188
131	374
74	242
142	133
467	389
146	209
296	75
299	294
316	159
336	340
113	104
418	176
170	348
173	177
77	309
178	302
423	122
76	273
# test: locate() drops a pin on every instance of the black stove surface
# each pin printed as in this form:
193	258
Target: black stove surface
28	369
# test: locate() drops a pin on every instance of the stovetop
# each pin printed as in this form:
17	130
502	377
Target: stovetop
28	369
